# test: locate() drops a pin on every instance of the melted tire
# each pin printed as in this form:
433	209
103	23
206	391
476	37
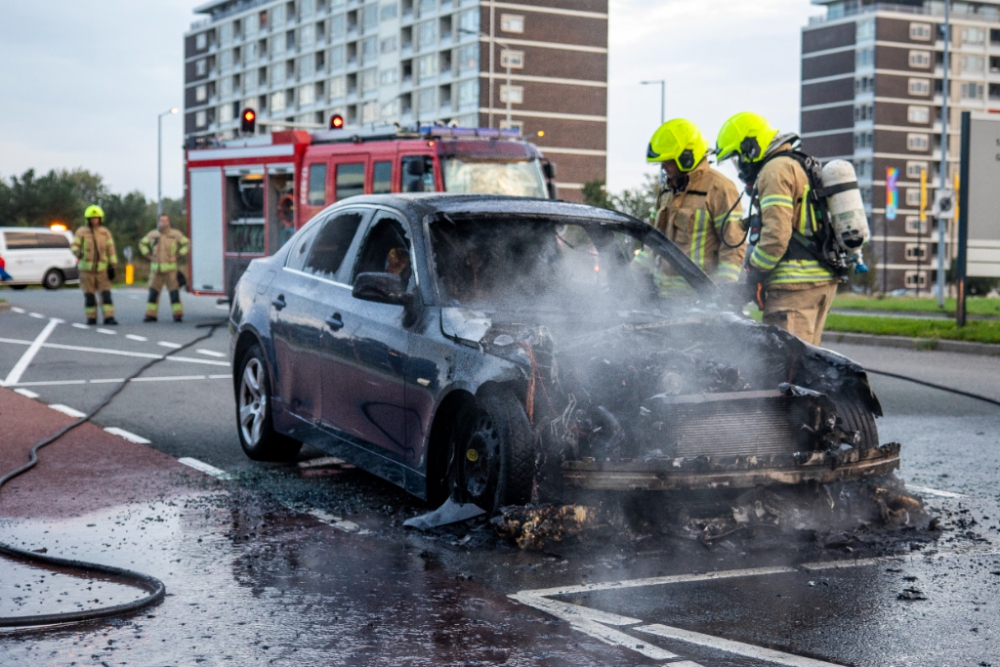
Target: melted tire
855	416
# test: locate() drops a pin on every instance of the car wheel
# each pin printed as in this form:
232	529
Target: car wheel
254	421
493	454
855	416
53	279
19	287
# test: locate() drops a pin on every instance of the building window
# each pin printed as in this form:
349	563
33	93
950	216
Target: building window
865	57
973	64
972	91
512	59
921	31
200	119
913	196
427	67
201	41
920	115
390	109
307	95
387	77
338	88
917	142
337	27
866	196
914	168
512	23
468	57
201	67
916	252
337	58
427	102
426	34
865	30
201	93
469	22
864	112
921	59
920	87
468	94
863	168
916	279
513	93
865	84
914	225
864	140
973	35
369	80
389	11
513	125
278	101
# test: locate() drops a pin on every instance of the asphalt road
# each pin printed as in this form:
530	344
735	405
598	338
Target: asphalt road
621	605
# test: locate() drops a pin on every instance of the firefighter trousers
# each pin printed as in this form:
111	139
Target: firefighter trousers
157	280
800	309
93	282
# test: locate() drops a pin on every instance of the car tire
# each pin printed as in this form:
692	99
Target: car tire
254	418
53	280
855	416
19	287
493	453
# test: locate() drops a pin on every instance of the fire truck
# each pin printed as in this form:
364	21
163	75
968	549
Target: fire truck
246	197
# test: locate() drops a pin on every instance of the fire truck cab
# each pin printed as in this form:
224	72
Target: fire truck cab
247	197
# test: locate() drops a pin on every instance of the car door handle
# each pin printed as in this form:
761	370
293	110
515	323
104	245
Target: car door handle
335	322
279	303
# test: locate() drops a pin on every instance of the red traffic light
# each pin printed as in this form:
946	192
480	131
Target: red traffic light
248	121
336	121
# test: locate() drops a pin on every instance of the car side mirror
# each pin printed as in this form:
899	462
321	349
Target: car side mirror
381	288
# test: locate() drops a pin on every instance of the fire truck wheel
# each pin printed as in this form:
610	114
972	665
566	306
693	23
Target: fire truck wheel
254	421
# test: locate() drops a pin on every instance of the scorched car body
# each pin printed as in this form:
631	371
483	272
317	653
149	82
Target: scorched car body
501	349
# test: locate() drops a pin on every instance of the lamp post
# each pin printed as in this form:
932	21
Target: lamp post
663	97
943	169
159	160
506	48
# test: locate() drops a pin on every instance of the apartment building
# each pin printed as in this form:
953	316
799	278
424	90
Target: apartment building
541	66
872	93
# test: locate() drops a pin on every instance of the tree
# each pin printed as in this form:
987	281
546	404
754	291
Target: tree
638	202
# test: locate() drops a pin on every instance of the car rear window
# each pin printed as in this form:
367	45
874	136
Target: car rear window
35	240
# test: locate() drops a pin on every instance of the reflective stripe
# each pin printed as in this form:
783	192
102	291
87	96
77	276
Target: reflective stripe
735	216
799	271
727	273
698	238
671	285
762	260
776	200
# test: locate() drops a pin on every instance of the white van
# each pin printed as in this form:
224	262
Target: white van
37	256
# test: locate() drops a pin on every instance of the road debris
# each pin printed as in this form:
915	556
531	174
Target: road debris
450	512
533	528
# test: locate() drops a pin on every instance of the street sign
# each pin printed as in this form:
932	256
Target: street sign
944	205
127	252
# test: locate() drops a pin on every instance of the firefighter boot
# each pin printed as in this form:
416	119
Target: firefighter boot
175	305
90	308
108	308
152	305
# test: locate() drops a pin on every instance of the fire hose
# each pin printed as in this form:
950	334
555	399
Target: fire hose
154	587
933	385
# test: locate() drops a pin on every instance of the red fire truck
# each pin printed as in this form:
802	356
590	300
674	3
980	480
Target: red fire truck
246	197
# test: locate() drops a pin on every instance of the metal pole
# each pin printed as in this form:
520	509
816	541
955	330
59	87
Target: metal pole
508	87
963	220
943	178
159	166
663	97
492	49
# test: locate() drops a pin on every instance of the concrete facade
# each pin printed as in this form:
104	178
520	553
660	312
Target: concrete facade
405	61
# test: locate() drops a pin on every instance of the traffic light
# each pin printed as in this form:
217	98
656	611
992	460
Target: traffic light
336	122
248	121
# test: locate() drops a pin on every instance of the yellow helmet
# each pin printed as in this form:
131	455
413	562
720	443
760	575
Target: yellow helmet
747	135
679	140
93	211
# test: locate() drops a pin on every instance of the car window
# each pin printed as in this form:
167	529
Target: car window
21	240
418	173
386	250
299	253
330	244
350	180
382	178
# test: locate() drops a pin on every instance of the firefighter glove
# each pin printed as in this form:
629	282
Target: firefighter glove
111	273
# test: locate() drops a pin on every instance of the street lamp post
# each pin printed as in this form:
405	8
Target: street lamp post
159	160
943	169
663	97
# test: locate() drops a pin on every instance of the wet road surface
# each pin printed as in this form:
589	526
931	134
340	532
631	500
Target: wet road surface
254	578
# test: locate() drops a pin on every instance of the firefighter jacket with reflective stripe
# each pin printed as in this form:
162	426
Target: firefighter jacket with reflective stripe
694	219
787	223
95	248
163	249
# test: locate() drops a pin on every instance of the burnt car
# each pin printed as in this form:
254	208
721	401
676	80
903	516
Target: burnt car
503	350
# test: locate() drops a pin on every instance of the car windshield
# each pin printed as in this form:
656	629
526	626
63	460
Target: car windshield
523	262
518	178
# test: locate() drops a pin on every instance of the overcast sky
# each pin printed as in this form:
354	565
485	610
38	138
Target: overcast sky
83	82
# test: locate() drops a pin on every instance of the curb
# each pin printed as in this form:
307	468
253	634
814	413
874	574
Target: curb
917	344
4	305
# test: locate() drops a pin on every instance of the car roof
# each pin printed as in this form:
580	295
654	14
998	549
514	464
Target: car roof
45	230
424	203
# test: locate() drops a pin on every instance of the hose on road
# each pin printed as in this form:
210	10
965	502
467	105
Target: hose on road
933	385
153	586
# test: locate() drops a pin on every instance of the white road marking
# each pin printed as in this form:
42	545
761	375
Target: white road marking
211	353
141	339
66	410
128	435
104	381
38	316
122	353
27	392
157	378
106	331
80	326
934	492
50	383
172	346
33	347
331	520
222	306
18	310
220	377
204	467
730	646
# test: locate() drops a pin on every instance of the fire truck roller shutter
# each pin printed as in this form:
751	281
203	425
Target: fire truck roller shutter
206	230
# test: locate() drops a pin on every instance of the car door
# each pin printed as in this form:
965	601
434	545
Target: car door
363	391
300	299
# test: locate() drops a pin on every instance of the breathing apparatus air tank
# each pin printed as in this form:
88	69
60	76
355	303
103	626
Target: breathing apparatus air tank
846	210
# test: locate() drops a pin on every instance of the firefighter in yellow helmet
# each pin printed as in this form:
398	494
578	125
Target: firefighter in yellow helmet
94	247
163	247
698	207
785	273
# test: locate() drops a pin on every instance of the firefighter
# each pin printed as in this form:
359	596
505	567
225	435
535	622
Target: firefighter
162	247
785	274
94	246
698	208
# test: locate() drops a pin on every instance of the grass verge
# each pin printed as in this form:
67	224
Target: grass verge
974	331
973	305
